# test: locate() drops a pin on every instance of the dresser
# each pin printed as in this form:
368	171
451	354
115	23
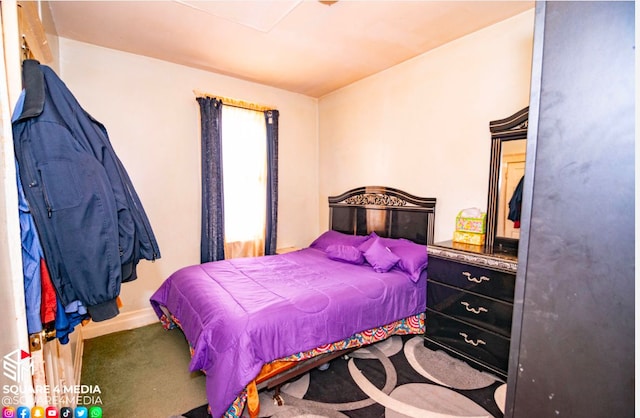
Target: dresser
470	304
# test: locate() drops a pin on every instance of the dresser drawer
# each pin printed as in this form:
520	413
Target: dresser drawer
484	281
482	346
486	313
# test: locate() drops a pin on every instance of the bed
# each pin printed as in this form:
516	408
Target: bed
256	322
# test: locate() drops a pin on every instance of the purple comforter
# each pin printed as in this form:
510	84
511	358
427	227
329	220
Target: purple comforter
242	313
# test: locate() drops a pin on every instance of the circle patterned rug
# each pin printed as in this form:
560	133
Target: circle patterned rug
398	377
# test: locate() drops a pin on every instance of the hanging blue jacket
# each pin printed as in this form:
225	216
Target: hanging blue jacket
91	223
31	251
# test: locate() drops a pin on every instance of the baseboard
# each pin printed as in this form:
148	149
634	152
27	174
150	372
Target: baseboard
122	322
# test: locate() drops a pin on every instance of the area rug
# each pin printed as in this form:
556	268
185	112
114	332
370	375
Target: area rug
398	377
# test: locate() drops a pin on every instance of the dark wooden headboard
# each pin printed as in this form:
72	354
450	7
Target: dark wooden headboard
386	211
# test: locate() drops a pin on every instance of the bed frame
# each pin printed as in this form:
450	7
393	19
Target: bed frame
386	211
389	213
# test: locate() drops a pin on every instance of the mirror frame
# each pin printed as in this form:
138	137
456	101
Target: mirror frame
508	129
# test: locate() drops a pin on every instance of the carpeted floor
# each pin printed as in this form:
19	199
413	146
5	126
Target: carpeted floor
142	373
395	378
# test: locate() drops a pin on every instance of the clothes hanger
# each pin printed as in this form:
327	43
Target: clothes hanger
26	52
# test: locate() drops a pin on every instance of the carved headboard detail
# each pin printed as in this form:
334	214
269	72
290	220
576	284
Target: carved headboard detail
387	211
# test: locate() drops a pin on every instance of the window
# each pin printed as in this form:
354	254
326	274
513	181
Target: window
239	179
244	174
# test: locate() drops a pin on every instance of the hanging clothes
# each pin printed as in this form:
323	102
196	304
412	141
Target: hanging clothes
90	221
41	302
67	319
31	252
31	256
49	300
515	204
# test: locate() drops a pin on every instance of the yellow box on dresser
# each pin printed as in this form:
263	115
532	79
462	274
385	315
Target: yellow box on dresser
474	224
468	237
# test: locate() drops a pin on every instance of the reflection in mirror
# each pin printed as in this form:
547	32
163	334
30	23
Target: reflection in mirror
512	159
506	170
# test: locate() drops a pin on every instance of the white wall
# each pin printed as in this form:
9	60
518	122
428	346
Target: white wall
423	126
150	111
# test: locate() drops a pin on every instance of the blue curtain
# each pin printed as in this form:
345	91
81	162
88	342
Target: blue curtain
212	227
271	117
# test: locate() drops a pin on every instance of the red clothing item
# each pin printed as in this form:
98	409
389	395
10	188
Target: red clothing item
48	302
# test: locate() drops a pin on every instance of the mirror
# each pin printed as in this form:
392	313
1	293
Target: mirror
506	172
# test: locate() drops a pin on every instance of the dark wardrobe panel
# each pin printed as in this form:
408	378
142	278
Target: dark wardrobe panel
572	351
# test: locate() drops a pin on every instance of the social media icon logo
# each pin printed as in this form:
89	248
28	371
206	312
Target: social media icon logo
23	412
66	412
82	412
51	412
95	412
8	412
37	412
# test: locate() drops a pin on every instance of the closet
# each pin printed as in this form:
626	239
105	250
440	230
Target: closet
572	342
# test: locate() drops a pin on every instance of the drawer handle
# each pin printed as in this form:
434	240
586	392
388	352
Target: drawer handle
473	279
468	341
473	310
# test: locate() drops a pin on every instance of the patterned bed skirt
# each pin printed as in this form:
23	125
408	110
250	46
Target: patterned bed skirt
411	325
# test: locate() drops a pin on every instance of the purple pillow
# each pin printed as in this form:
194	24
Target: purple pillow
413	257
367	243
337	238
347	253
381	258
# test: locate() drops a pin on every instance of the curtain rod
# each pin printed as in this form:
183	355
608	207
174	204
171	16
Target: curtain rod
234	102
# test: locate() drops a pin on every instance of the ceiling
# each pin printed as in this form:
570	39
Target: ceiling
303	46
